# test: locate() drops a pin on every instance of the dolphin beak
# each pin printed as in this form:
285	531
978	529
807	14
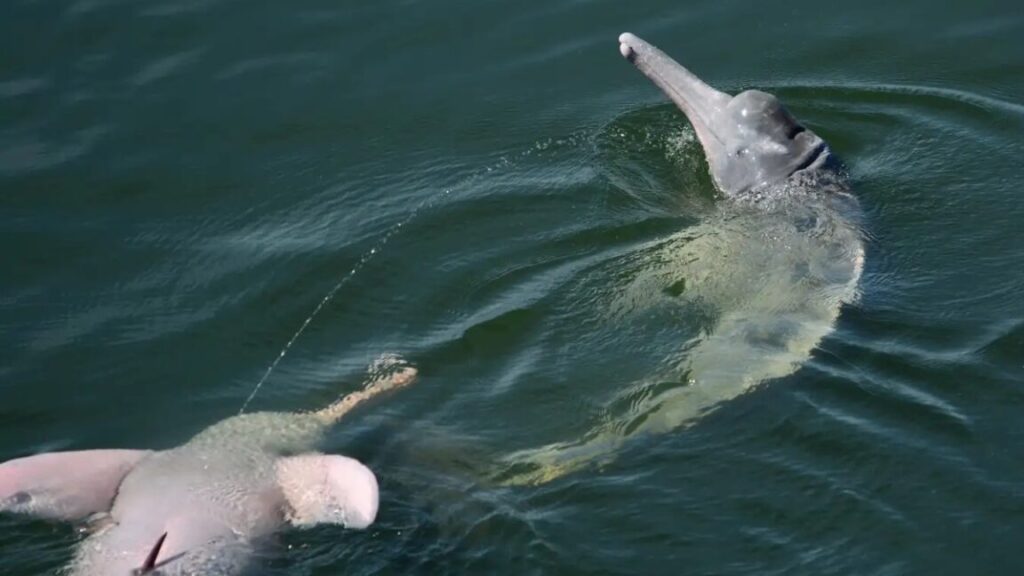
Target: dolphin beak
700	102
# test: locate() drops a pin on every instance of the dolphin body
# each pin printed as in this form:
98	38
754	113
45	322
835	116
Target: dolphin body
775	263
203	507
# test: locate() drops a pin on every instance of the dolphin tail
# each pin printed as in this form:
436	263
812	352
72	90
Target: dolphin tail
541	465
721	367
388	372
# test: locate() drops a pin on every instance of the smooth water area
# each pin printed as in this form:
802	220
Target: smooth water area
474	185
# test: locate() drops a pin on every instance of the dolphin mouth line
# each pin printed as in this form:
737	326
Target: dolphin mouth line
817	153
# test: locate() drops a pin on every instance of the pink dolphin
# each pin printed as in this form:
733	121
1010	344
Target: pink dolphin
203	507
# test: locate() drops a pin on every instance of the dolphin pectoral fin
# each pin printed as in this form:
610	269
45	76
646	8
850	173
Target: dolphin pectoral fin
328	490
65	485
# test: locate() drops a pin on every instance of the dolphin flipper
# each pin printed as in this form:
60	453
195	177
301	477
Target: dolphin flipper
65	485
324	489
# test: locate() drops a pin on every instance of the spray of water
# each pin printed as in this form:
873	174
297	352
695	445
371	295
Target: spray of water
323	302
502	162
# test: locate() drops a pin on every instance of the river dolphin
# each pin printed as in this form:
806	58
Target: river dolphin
774	263
206	506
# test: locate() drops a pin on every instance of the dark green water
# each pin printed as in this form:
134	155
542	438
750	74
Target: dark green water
183	182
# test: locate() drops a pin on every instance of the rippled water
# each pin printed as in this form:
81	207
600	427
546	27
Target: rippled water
183	183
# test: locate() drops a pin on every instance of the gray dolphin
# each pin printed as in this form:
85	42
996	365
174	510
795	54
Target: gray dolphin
203	507
774	263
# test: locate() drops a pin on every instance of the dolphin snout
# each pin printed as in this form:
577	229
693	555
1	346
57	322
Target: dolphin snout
626	43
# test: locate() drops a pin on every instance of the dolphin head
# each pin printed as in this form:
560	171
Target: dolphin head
750	139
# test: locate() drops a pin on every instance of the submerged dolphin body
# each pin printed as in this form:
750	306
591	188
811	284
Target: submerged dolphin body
206	506
775	263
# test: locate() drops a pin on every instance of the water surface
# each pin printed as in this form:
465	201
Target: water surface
183	182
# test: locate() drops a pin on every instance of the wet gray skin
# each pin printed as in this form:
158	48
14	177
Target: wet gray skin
751	141
770	269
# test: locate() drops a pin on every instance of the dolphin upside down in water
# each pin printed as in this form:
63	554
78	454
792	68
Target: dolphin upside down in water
774	263
203	507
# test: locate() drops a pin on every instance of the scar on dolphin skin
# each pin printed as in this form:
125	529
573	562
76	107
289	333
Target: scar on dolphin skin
210	503
786	205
